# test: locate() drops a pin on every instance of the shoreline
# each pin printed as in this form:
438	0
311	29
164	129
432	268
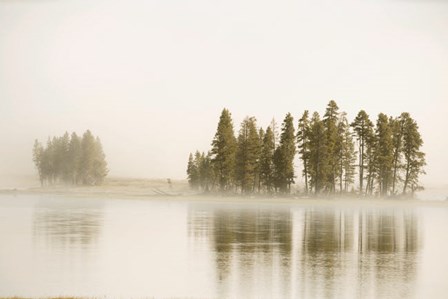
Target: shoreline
153	193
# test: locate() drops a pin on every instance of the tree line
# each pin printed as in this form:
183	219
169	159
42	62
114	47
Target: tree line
384	158
70	159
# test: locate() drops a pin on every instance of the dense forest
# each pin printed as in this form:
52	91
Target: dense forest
336	155
70	159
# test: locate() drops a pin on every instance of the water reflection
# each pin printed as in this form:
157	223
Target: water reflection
312	252
71	227
252	249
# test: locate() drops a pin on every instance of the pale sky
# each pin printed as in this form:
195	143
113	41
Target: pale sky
150	78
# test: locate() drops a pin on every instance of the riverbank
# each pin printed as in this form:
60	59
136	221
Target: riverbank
163	189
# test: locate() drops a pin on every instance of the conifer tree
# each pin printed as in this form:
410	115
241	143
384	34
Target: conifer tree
74	158
333	140
303	141
38	152
69	160
414	158
363	128
267	160
192	172
384	153
258	182
370	160
247	155
205	171
347	154
284	156
397	143
100	170
223	151
318	155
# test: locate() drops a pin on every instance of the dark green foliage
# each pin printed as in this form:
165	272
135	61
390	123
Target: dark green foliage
223	152
333	143
318	155
347	155
267	160
384	153
70	160
414	158
363	128
284	156
303	141
388	155
247	155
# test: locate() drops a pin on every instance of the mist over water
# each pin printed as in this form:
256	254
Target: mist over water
132	248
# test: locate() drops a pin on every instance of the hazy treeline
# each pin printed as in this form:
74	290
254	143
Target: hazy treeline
384	158
71	159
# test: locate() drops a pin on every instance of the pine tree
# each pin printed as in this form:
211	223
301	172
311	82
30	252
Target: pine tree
414	158
333	141
347	154
38	152
223	151
318	155
74	158
384	153
247	155
370	160
100	170
192	172
397	127
205	171
266	160
303	141
363	128
284	156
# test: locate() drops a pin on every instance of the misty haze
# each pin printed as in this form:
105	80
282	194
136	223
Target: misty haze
237	149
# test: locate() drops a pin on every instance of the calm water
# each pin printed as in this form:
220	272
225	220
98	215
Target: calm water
52	245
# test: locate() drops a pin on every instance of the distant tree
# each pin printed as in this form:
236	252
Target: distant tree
384	153
318	155
363	128
248	151
284	156
100	170
192	172
74	158
267	160
223	151
70	160
38	152
206	175
303	141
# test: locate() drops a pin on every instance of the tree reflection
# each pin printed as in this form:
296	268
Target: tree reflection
66	228
249	245
311	252
374	249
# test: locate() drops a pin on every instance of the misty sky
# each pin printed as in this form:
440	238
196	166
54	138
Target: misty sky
151	77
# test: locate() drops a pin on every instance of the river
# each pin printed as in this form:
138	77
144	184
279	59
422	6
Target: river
54	245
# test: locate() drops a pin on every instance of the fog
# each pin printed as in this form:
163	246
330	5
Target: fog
150	78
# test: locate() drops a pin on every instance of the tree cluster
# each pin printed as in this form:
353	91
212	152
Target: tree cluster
386	156
70	159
